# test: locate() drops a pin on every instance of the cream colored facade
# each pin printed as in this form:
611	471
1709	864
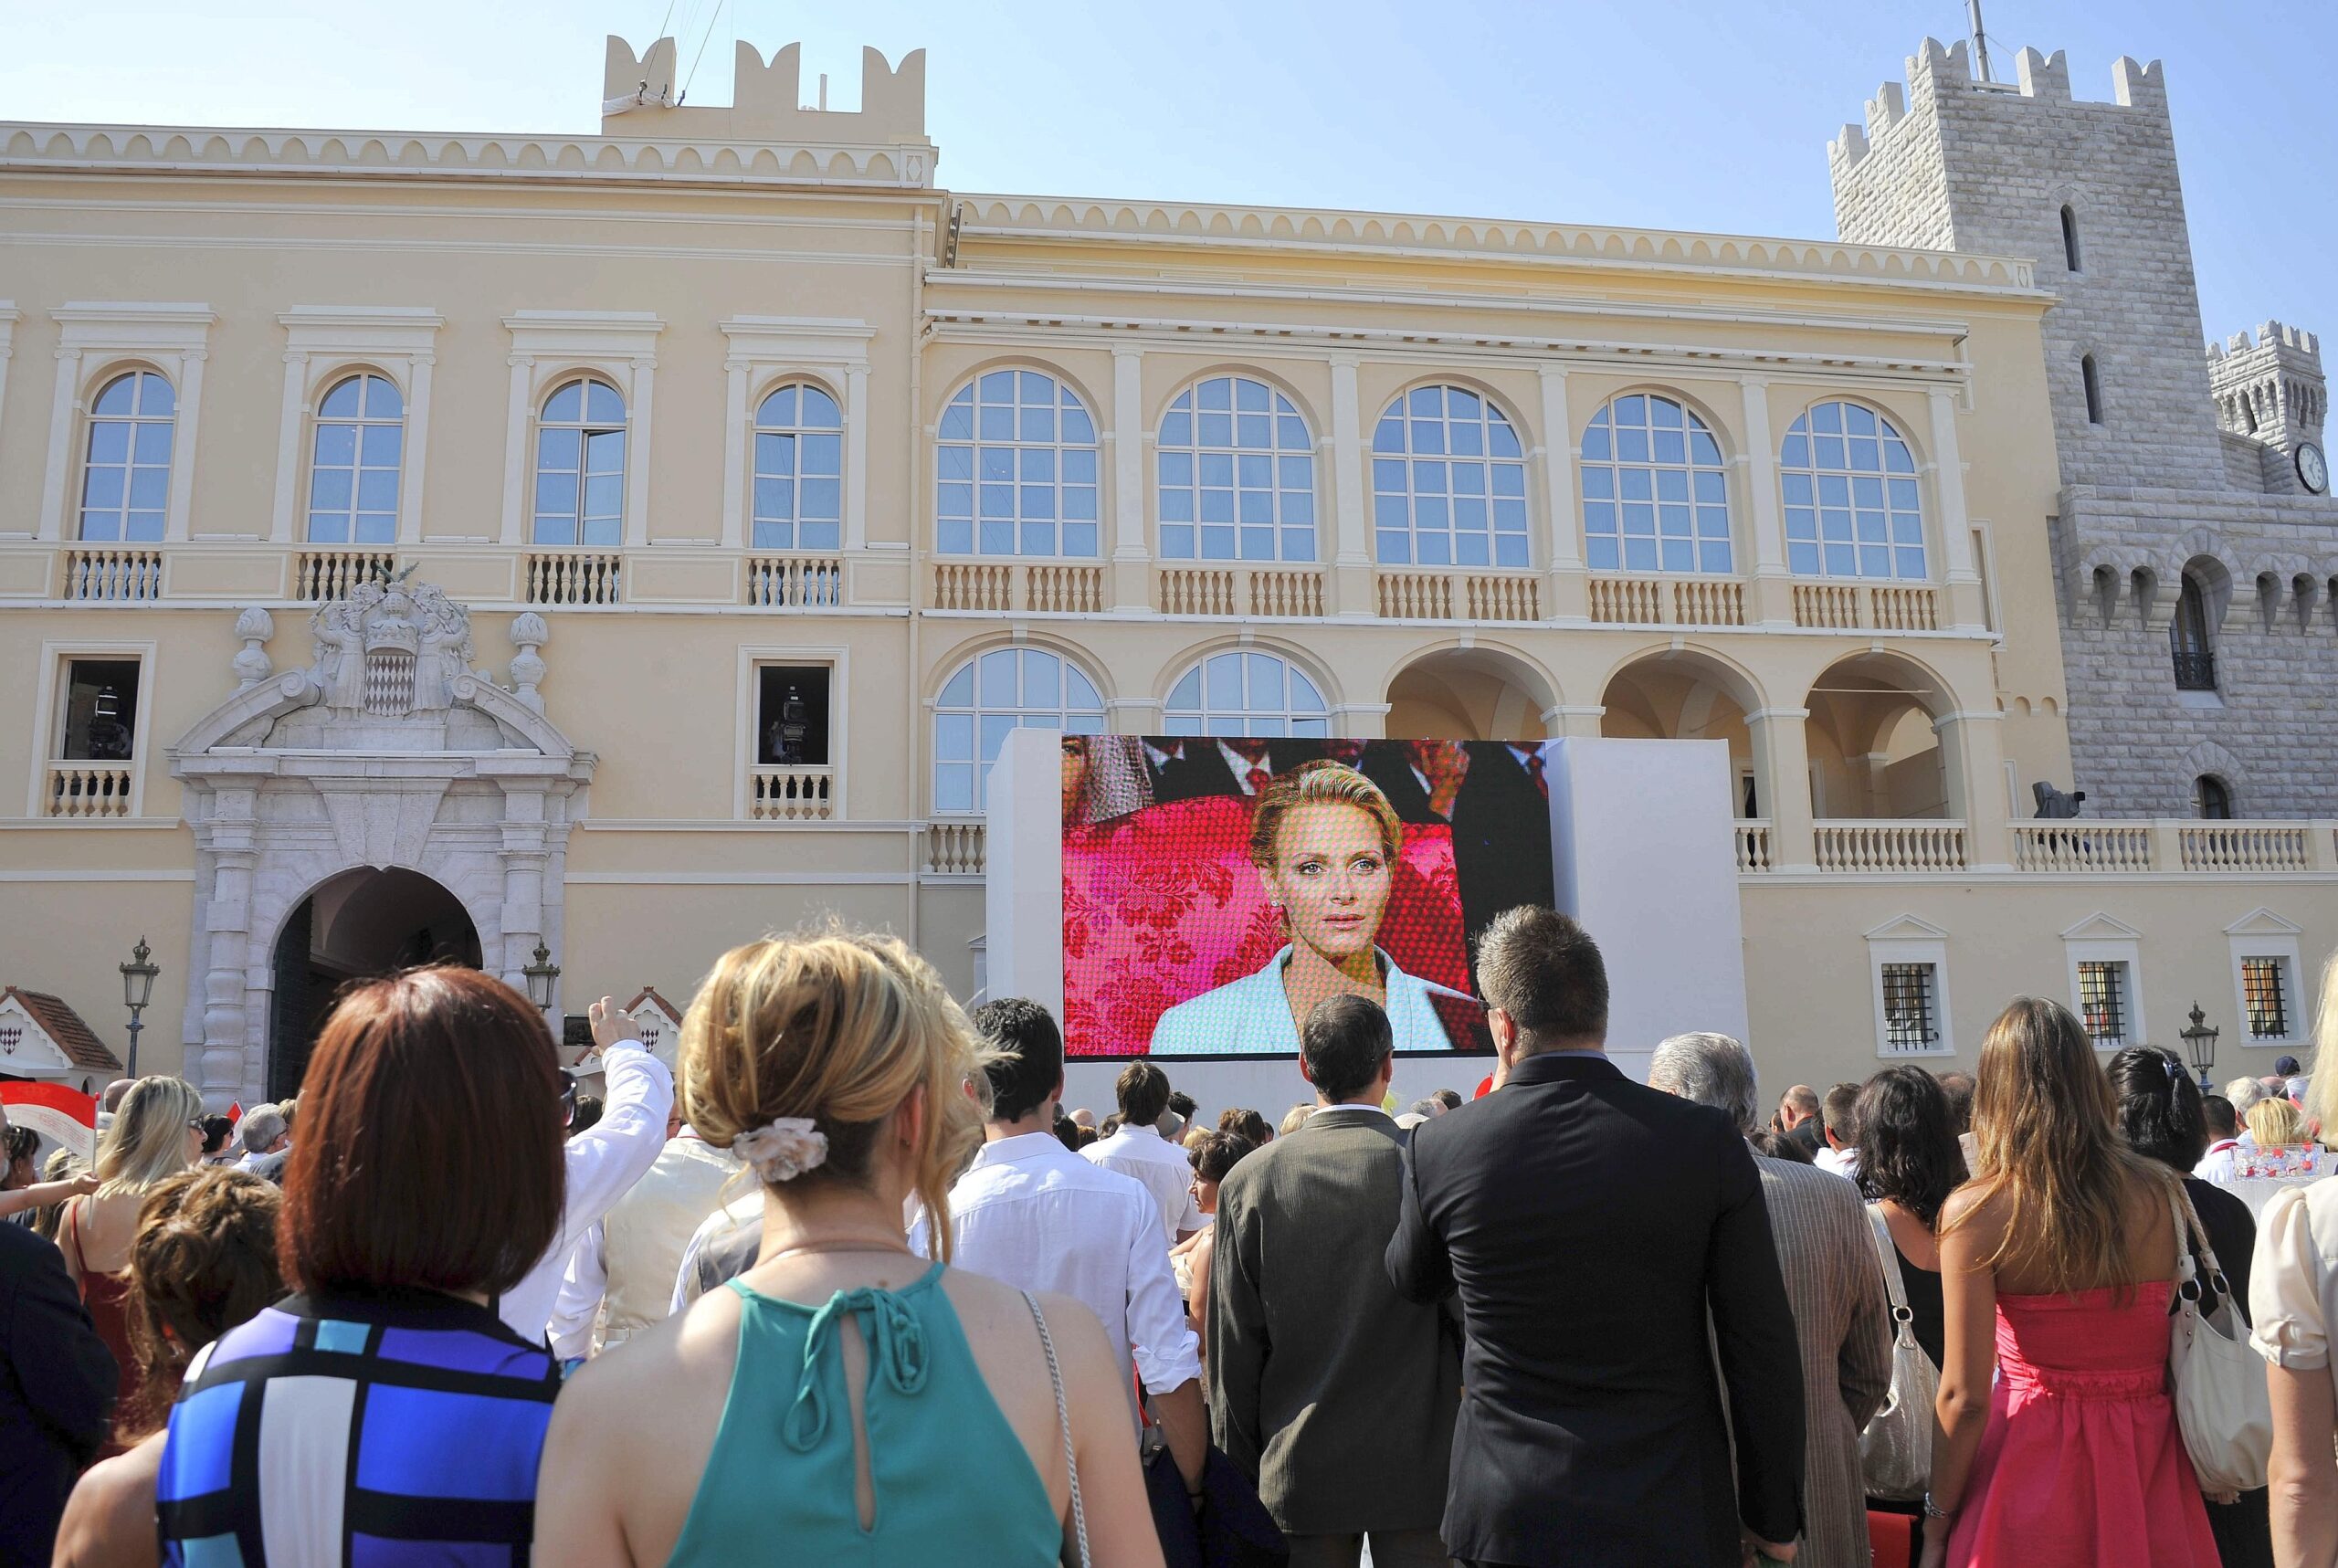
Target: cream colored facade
1887	731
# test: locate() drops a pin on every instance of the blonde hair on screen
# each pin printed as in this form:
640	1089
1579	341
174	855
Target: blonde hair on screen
1319	783
844	1028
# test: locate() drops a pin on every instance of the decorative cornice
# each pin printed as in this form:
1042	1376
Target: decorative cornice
197	150
1006	218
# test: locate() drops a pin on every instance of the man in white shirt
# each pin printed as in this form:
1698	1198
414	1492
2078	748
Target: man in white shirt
1841	1155
604	1161
620	1280
2224	1139
1138	1149
262	1133
1031	1212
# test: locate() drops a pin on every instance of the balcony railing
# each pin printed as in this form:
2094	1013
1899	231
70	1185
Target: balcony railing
120	574
2195	669
1239	591
1865	606
953	848
791	794
1752	846
1883	846
320	576
1459	595
795	582
1667	601
86	790
2080	846
575	577
2245	847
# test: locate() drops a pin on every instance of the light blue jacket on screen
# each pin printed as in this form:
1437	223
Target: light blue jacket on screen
1252	1017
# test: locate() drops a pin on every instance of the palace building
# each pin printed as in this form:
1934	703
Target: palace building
608	547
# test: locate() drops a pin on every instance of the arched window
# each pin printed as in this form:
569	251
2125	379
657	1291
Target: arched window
579	466
1015	468
992	694
126	470
353	465
2187	639
2070	239
1235	466
1850	492
799	470
1448	482
2216	800
2093	383
1245	694
1655	492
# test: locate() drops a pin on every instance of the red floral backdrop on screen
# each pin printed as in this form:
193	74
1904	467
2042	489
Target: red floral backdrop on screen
1163	904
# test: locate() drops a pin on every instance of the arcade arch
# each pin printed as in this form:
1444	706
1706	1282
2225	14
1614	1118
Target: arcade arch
1469	694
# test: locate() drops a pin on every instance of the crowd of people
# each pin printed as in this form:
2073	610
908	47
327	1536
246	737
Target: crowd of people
861	1288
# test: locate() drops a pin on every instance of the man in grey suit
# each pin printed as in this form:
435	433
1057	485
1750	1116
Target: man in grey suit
1333	1392
1842	1316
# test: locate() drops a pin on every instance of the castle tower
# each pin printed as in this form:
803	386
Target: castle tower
2270	397
2091	192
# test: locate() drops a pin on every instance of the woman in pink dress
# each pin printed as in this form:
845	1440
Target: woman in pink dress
2058	1266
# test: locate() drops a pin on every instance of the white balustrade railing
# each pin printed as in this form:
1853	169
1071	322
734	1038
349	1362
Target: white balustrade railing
1064	590
320	576
2075	845
1754	846
575	577
791	794
1708	602
124	574
972	585
953	848
86	790
795	582
1826	606
1194	591
1628	601
2245	847
1889	846
1287	593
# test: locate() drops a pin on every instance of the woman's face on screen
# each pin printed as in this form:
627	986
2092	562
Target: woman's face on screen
1331	876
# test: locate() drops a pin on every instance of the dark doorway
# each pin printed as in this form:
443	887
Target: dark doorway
354	926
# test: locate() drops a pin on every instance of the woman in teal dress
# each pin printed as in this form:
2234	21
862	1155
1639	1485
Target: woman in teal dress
843	1402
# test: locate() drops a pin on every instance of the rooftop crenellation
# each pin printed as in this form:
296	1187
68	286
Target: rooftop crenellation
640	96
1937	70
2268	334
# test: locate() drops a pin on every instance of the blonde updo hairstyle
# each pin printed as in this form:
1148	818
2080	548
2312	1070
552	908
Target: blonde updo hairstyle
842	1028
1323	782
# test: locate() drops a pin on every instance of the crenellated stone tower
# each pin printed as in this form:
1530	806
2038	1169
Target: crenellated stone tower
2198	569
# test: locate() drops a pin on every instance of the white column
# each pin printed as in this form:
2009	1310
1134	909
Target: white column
287	444
1124	446
417	446
637	453
1757	466
182	442
63	415
515	449
7	351
1948	487
1350	529
856	457
1566	588
1782	773
735	436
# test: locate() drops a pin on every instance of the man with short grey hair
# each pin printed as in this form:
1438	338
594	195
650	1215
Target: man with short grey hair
1842	1317
263	1131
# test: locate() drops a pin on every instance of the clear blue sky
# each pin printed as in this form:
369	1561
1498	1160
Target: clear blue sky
1707	115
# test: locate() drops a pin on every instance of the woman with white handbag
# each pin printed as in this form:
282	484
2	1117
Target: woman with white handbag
1909	1163
2163	1119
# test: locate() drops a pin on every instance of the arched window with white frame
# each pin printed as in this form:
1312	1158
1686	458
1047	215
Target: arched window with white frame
1235	467
1245	693
126	460
1448	482
354	461
1654	488
991	696
579	466
799	470
1015	468
1853	504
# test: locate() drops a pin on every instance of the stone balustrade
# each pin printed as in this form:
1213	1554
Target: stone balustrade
86	790
791	794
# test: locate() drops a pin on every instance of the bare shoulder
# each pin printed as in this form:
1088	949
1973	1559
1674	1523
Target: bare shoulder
1978	1209
689	1347
111	1517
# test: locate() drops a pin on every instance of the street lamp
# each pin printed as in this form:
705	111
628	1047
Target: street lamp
2200	1046
137	990
541	974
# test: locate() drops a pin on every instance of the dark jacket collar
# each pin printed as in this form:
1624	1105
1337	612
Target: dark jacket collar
1550	1067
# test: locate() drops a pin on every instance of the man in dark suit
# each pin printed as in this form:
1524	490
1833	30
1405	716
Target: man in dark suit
1501	833
56	1390
1193	766
1607	1240
1333	1393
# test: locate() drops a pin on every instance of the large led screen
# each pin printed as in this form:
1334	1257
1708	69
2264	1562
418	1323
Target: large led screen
1216	888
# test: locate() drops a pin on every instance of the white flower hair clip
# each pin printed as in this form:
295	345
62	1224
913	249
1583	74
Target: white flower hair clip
782	1149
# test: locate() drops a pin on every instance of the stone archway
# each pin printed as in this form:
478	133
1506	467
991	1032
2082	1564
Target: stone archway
364	922
388	751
